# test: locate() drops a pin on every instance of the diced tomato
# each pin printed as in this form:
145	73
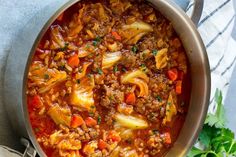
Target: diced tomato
76	121
73	61
102	144
34	102
116	35
130	98
172	74
90	121
178	87
167	138
60	17
114	136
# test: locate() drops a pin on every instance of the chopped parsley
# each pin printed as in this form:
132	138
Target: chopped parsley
158	97
124	70
64	48
143	67
100	72
134	49
99	120
154	52
115	68
96	41
155	131
78	81
46	76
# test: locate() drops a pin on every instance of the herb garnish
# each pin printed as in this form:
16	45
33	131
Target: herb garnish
217	141
100	72
154	52
46	76
64	48
115	68
134	48
99	119
158	97
96	41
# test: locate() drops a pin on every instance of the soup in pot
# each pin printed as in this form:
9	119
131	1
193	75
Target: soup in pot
108	79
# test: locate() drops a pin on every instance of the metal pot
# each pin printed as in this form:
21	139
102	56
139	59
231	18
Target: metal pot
25	44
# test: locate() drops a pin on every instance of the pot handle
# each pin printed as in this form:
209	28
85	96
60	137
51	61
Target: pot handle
29	150
197	10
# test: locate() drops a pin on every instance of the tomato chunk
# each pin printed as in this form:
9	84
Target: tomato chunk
178	87
172	74
102	144
114	136
76	121
167	138
130	98
73	61
116	35
90	121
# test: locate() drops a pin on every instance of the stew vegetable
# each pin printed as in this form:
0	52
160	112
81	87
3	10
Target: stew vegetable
109	78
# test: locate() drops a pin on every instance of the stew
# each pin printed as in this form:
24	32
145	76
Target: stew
108	78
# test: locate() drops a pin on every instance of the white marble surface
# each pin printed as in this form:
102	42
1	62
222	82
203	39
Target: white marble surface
14	14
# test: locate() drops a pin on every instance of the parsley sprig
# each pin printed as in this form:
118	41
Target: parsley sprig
217	141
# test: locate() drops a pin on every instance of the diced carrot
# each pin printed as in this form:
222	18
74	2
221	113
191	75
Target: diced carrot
167	138
102	144
178	87
116	35
60	17
172	74
114	136
90	121
73	61
130	98
35	102
76	121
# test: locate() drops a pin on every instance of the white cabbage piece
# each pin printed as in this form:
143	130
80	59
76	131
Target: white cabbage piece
130	122
161	58
82	94
110	59
60	115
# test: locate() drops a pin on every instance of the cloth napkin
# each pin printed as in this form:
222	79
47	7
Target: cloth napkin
217	28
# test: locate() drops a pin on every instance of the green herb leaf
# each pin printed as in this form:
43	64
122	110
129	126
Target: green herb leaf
217	140
78	81
99	120
134	48
100	72
46	76
64	48
96	41
158	97
115	68
154	52
217	119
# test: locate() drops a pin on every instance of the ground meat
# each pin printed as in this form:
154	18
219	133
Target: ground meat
128	59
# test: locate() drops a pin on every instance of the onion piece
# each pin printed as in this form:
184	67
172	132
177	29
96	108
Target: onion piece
131	122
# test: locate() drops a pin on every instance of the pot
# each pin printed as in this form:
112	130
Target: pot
26	42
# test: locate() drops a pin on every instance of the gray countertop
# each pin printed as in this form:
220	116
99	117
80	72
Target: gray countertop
14	15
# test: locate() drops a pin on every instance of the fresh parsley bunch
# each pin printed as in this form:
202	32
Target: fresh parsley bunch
215	139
